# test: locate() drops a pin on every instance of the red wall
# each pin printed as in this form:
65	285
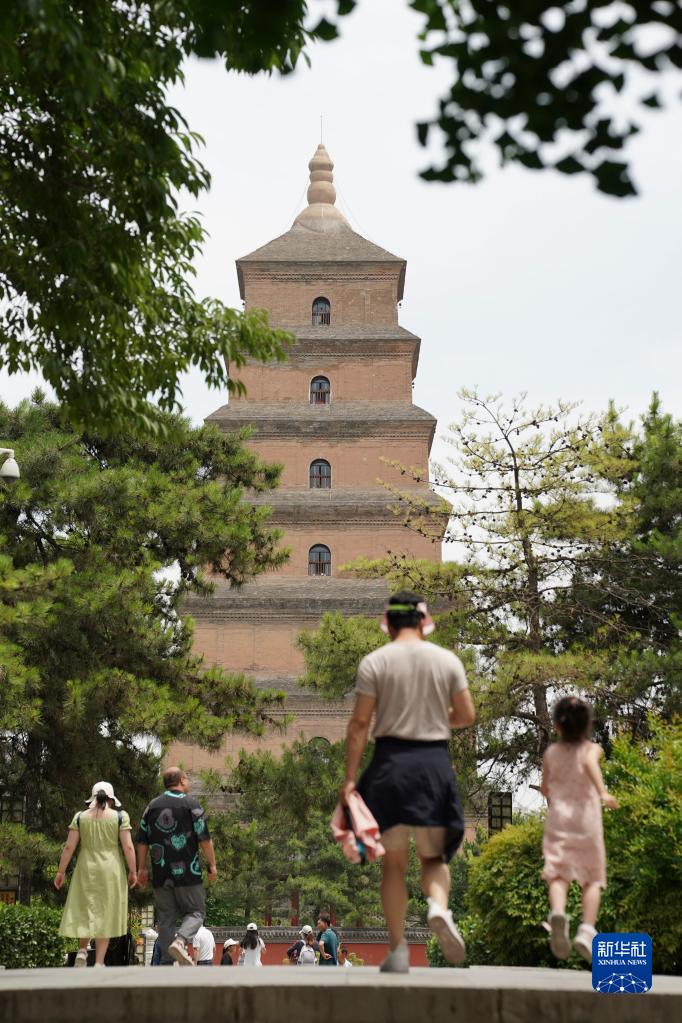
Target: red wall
372	953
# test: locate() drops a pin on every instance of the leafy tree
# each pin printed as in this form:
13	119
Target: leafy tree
24	851
275	848
567	536
106	539
333	651
524	512
537	81
95	257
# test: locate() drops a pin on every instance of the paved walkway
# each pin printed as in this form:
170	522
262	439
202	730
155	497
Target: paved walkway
276	994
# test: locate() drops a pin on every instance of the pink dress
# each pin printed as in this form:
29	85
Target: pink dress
573	843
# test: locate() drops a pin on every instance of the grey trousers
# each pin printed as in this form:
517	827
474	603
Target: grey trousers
187	902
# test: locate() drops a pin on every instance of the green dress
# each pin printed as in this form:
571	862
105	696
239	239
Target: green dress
97	901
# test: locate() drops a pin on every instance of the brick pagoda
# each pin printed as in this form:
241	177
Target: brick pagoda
340	405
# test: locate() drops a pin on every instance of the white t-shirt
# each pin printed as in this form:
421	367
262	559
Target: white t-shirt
413	683
205	943
251	956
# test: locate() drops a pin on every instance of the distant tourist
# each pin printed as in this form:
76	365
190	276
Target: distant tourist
97	900
294	951
343	957
573	843
231	950
174	827
417	692
328	939
308	953
253	947
204	947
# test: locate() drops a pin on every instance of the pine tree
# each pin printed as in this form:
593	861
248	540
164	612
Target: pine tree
103	539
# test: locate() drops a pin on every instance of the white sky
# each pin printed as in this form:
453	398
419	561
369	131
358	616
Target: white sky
527	281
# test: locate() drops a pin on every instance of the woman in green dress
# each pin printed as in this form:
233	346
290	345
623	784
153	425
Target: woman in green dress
97	901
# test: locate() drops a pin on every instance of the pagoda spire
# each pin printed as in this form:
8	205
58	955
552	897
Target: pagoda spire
321	191
321	187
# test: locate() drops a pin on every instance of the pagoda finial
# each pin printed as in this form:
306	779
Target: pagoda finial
321	214
321	187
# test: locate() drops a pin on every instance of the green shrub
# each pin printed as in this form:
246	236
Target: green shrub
506	898
644	843
29	937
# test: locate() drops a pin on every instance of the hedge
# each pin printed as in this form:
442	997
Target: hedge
29	937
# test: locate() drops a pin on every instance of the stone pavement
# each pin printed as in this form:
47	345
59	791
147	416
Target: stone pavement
276	994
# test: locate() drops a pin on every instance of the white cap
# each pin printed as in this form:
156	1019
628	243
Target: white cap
252	927
102	786
306	929
229	942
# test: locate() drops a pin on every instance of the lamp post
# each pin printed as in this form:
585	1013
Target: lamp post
9	470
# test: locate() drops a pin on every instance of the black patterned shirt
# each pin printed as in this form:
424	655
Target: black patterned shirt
172	826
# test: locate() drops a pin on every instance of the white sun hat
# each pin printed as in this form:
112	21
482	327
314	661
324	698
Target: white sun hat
102	786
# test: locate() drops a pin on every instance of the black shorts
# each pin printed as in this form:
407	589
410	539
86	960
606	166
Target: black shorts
413	782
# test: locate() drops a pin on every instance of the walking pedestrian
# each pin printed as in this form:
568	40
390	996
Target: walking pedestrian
97	900
204	947
231	950
253	947
173	829
573	842
416	692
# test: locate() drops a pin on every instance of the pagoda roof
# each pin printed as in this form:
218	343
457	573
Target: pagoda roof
320	233
357	332
337	411
329	241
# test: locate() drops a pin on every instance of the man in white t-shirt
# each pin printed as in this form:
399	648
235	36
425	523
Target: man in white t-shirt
204	947
417	692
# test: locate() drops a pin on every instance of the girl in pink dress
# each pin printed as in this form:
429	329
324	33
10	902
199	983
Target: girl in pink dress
573	843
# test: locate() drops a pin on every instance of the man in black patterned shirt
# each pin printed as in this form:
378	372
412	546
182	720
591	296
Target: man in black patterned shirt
173	829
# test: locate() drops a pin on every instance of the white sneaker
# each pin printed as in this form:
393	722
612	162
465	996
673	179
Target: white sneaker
559	941
81	957
582	942
178	950
397	960
443	926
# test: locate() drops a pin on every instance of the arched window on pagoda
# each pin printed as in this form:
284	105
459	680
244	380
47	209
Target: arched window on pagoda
319	560
320	391
322	312
320	474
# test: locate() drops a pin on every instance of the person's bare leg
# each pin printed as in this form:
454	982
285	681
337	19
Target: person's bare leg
83	942
436	880
394	894
559	939
558	893
591	901
101	946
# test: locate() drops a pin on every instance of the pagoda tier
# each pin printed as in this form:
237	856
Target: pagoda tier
338	417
